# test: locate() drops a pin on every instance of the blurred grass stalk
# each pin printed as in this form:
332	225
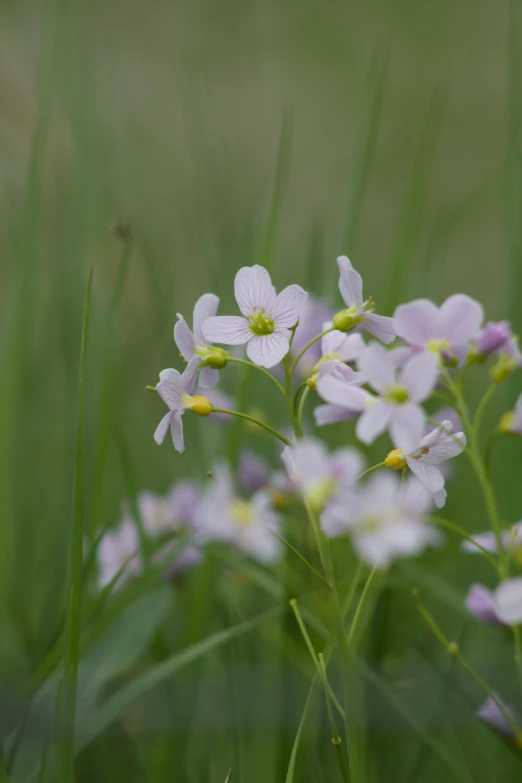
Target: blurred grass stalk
74	572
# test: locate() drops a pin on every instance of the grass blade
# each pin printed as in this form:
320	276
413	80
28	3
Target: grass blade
297	741
74	572
281	181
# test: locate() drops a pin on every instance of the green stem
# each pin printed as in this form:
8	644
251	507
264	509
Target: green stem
370	470
260	369
463	533
296	397
259	423
74	572
304	561
336	740
307	346
302	407
479	413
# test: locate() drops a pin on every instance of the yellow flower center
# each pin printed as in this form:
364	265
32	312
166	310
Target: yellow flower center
437	345
319	492
398	394
260	323
241	513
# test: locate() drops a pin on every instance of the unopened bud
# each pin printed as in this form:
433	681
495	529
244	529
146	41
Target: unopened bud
503	368
453	649
507	423
346	320
213	357
396	460
202	405
311	382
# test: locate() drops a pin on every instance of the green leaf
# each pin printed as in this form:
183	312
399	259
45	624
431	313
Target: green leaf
297	741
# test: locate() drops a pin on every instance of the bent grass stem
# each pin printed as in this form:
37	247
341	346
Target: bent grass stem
251	419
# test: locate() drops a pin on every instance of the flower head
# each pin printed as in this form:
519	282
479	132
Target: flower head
193	343
359	313
253	472
267	319
492	338
384	520
317	474
175	390
511	422
436	447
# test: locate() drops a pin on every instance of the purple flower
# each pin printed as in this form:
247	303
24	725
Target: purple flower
182	500
491	714
118	551
384	520
253	472
193	344
317	474
511	422
359	314
175	390
437	446
481	602
447	330
313	315
510	538
267	317
333	414
493	337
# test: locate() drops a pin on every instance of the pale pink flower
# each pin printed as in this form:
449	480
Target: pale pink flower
193	343
359	314
480	601
118	553
313	315
175	390
333	414
508	601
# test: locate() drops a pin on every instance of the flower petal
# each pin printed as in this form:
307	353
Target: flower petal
350	283
184	339
161	429
253	472
208	377
288	305
227	329
459	319
338	392
377	367
508	601
351	347
406	427
416	322
188	379
447	446
493	715
481	602
205	307
268	350
381	326
253	288
419	375
332	414
176	430
373	422
430	476
439	497
345	465
485	540
170	388
307	462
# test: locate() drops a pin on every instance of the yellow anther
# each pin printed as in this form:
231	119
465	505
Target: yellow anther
312	380
201	406
396	460
437	345
397	393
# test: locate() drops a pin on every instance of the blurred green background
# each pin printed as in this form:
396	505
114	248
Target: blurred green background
222	135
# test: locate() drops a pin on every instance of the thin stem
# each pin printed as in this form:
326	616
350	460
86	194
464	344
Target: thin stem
296	397
463	533
260	369
370	470
358	610
304	561
259	423
336	740
307	346
302	407
479	413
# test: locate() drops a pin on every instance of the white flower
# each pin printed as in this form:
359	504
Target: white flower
318	474
175	390
118	551
339	346
359	314
508	601
250	525
267	317
384	519
511	539
332	414
436	447
194	343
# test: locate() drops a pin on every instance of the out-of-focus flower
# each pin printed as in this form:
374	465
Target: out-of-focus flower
185	561
175	390
249	525
317	474
480	601
511	422
340	347
193	344
511	539
384	520
447	330
267	319
491	714
118	551
508	601
492	338
253	472
437	446
359	313
313	315
332	414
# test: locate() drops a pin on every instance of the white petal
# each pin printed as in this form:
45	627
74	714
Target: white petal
176	430
205	307
310	461
439	498
377	367
419	375
208	377
406	427
351	347
288	305
188	379
415	498
184	339
486	541
460	319
332	414
446	447
416	322
170	388
331	342
253	288
338	392
430	476
269	349
372	422
161	429
350	283
227	329
345	465
381	326
508	601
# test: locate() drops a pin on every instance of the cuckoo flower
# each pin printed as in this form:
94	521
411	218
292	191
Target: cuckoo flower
511	539
267	319
340	347
249	525
492	338
313	315
512	421
175	390
194	343
317	474
480	601
384	519
359	313
447	330
508	601
332	414
118	553
437	446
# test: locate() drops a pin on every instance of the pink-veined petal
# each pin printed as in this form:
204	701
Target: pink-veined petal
269	349
447	445
208	377
338	392
416	322
406	427
188	379
350	283
288	305
381	326
226	329
459	319
332	414
205	307
419	375
184	339
377	367
176	430
170	388
253	288
508	601
161	429
373	422
430	476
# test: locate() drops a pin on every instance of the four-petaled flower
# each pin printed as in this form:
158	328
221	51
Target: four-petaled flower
194	343
175	390
359	314
268	317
